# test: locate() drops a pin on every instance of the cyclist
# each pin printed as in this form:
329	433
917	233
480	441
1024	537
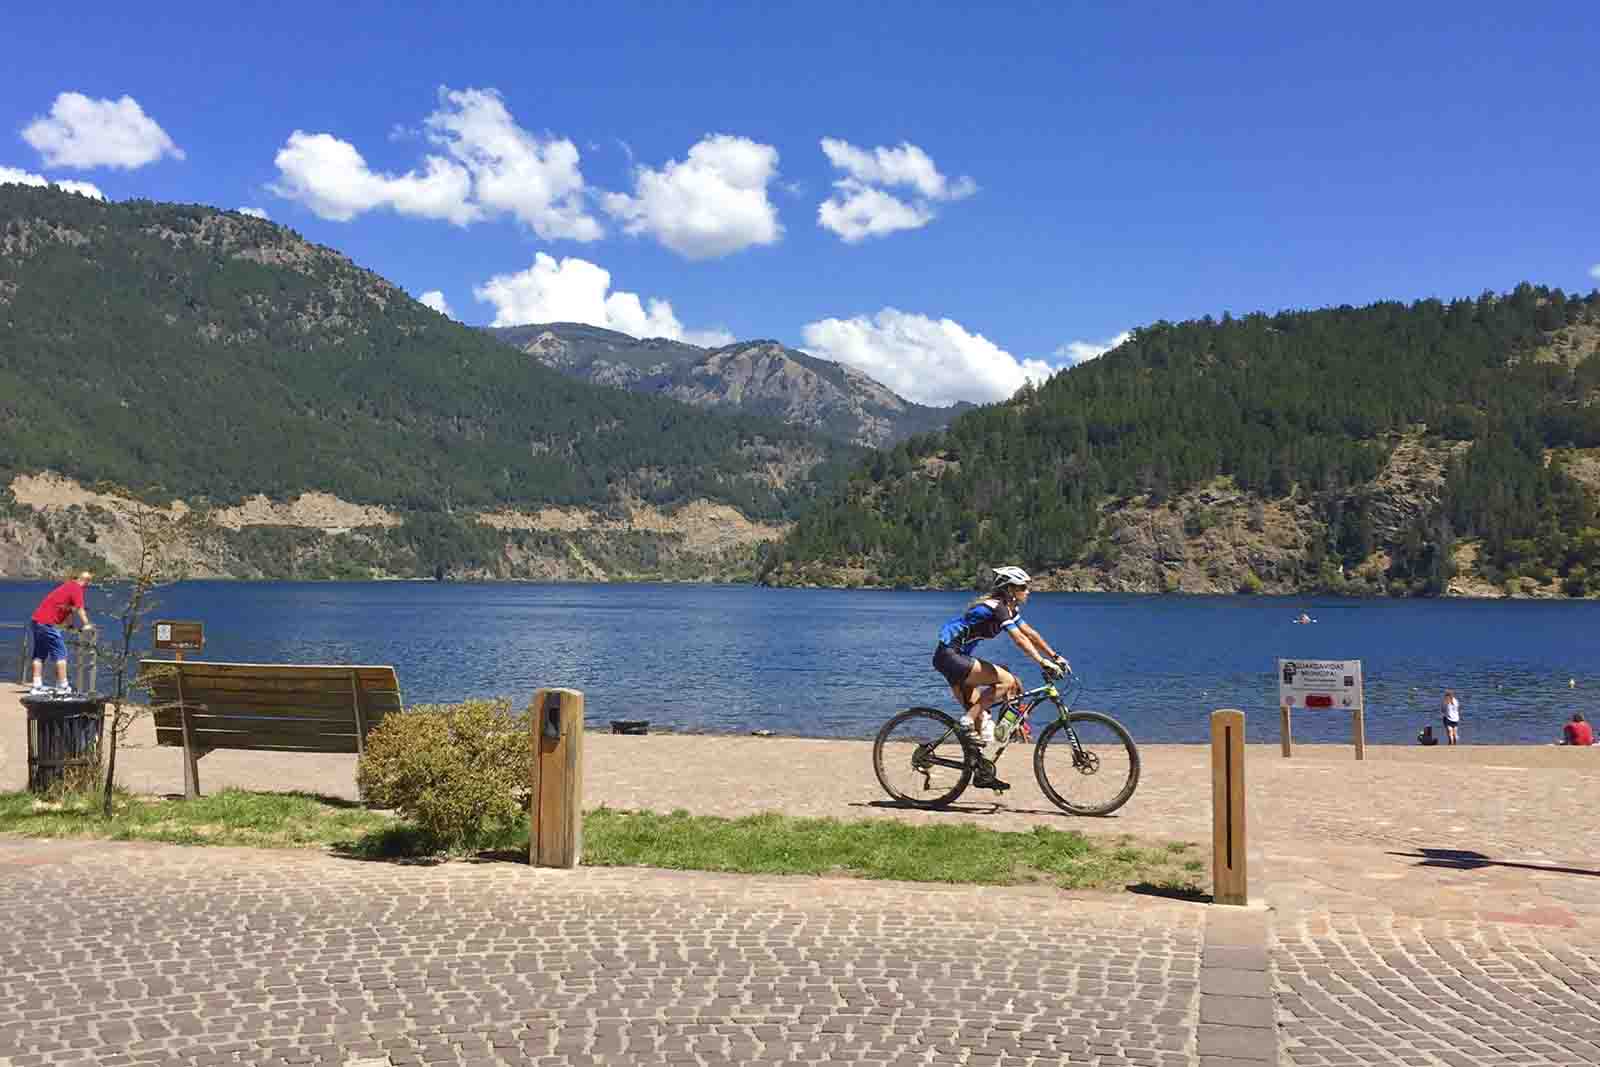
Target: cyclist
977	683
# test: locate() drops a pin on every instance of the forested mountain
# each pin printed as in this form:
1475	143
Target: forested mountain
1378	448
184	352
751	377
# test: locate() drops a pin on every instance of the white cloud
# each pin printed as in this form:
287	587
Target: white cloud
714	337
931	361
1075	352
906	165
434	299
13	176
861	207
331	178
575	290
711	204
83	133
1594	272
254	212
535	179
857	212
492	166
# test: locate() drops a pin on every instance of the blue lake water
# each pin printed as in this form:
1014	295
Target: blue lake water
836	663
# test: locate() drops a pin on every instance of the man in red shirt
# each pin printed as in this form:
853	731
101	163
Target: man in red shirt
1577	732
54	610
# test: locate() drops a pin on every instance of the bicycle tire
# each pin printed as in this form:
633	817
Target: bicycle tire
938	723
1118	733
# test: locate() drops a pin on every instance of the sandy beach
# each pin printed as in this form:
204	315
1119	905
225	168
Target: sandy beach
1531	801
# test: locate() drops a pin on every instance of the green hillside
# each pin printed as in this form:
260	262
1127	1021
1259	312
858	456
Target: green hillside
184	351
1301	405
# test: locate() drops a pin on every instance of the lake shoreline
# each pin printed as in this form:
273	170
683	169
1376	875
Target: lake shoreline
1311	749
729	659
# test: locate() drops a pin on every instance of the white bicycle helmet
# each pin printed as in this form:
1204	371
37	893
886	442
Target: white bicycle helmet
1004	576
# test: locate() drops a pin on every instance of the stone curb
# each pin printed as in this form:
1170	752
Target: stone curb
1238	1025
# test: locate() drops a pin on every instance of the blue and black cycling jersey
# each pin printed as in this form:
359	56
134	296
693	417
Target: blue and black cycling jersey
983	620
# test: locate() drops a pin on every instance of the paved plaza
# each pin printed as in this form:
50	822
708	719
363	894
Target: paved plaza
1421	907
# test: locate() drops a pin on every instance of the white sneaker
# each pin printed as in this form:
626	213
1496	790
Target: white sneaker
38	689
987	733
63	690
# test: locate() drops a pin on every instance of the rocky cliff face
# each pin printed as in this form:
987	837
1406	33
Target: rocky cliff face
1218	539
50	525
753	377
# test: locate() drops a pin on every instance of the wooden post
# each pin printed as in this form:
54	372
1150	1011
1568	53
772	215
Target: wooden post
555	833
356	696
1358	728
1285	731
191	759
1229	881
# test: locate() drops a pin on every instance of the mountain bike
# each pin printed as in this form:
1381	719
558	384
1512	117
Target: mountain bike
1085	761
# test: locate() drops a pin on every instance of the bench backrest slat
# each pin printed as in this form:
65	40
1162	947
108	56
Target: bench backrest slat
269	707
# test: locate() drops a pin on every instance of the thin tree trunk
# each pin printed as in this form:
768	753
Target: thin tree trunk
111	767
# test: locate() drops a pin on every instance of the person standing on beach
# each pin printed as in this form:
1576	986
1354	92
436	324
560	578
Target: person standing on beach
1452	714
56	608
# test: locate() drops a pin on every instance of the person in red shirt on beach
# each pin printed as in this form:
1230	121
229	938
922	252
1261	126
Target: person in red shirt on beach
1577	732
55	609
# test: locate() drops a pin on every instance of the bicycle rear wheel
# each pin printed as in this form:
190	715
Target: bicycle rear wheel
920	759
1097	776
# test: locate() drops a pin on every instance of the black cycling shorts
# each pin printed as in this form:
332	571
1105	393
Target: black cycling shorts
955	666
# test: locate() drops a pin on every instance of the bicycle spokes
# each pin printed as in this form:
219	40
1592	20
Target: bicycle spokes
1087	763
920	759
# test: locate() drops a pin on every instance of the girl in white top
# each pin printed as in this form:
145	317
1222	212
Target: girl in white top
1452	714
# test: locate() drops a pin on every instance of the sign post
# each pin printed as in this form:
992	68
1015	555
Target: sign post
1318	684
177	635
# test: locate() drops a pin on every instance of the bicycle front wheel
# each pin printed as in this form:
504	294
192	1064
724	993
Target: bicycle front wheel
1094	777
920	760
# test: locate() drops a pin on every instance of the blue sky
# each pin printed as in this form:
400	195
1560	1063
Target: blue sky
950	196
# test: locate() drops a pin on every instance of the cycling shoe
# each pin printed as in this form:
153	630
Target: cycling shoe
983	778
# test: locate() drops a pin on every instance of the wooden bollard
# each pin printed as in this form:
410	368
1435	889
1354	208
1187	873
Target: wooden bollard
555	832
1229	880
1286	730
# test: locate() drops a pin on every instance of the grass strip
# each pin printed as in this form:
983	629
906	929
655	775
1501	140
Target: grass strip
230	817
953	852
956	852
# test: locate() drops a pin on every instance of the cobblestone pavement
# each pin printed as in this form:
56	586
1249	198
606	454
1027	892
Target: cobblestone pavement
1377	990
124	954
1424	907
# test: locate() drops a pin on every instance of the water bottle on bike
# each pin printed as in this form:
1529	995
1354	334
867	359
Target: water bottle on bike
1007	722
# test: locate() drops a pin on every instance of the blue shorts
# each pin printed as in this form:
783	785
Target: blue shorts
47	642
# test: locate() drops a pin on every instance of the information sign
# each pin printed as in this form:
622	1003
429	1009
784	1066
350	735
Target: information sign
1320	683
179	634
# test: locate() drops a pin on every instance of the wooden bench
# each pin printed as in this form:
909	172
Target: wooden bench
262	707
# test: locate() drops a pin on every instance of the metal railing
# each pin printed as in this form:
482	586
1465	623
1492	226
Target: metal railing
83	657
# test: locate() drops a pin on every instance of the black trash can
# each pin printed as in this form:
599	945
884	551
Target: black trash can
63	739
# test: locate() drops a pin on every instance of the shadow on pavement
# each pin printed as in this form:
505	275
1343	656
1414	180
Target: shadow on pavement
900	805
1462	860
1191	896
991	808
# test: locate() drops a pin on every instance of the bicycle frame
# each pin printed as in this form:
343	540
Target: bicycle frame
1027	702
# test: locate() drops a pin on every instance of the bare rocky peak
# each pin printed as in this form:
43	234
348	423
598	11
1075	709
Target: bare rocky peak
761	377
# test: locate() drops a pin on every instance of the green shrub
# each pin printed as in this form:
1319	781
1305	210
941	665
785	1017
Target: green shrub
1251	583
458	771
